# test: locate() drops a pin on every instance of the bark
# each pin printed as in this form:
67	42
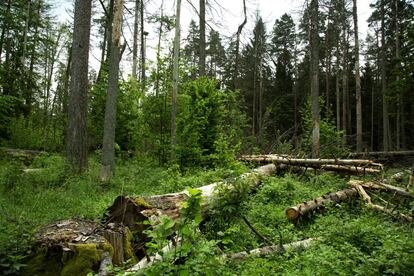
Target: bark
274	249
314	44
77	145
357	80
202	58
175	80
309	207
108	151
338	98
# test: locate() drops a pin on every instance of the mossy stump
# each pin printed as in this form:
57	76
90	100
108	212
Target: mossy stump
77	247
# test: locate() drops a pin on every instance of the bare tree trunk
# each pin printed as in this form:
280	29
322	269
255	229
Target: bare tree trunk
386	124
357	80
77	143
175	80
135	43
4	29
143	76
202	58
344	72
26	30
314	42
236	63
108	151
338	96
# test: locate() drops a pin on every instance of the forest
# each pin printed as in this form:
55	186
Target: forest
132	144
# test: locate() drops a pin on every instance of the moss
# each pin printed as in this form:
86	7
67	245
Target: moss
128	248
43	263
141	202
87	259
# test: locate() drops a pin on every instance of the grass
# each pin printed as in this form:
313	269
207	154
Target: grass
354	240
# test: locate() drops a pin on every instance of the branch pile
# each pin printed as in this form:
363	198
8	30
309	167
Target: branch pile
349	166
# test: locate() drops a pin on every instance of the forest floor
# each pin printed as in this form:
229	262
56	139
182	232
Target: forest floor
353	240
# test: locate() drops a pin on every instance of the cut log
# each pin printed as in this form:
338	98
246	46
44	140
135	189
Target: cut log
383	186
274	249
306	161
383	154
308	207
349	166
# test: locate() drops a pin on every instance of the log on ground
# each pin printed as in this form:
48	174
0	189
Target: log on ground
308	207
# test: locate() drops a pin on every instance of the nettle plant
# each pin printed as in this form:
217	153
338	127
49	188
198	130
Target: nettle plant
192	253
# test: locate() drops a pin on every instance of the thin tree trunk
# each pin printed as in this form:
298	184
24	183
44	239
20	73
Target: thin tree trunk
135	43
108	151
175	80
202	58
338	96
4	30
26	30
314	42
236	63
344	72
357	80
77	145
143	76
385	119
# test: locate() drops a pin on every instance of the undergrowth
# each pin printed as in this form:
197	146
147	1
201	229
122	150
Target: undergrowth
352	239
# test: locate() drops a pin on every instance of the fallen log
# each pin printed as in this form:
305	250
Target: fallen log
307	161
376	207
148	261
133	211
383	154
308	207
383	186
273	249
350	166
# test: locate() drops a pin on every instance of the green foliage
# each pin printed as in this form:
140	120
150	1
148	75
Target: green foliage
209	125
332	141
194	255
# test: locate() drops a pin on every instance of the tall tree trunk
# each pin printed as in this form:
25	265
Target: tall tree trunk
26	30
135	38
314	44
344	72
385	120
357	80
108	151
236	63
202	59
77	145
175	80
4	30
400	103
338	92
143	76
